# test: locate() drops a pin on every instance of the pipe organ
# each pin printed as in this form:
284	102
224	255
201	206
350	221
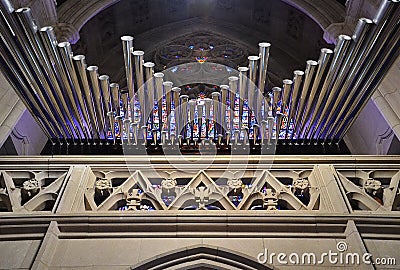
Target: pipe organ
73	103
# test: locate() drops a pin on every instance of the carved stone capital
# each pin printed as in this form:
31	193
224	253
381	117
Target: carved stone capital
67	32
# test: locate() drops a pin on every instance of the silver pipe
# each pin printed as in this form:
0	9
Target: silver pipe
277	92
298	78
287	91
383	49
279	119
111	118
27	23
127	46
341	52
267	105
139	73
37	111
48	38
97	97
120	127
308	81
144	134
323	62
158	95
192	105
184	113
253	68
242	90
223	106
256	131
123	93
358	51
168	89
115	98
105	89
264	56
135	131
149	72
80	64
233	89
270	120
177	114
208	103
127	127
336	65
66	56
200	109
263	131
216	113
107	106
11	34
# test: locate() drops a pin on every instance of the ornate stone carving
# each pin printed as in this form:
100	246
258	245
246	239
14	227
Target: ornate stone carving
134	200
103	185
202	196
31	187
270	200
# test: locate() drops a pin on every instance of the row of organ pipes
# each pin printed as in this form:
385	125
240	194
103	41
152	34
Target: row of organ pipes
71	102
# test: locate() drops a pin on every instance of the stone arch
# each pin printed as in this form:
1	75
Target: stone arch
202	257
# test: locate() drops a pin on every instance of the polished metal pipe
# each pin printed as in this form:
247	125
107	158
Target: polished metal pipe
115	98
149	72
287	91
111	119
66	56
192	106
158	95
323	62
33	105
267	105
383	49
167	92
252	87
264	56
208	102
127	46
242	88
30	28
358	52
277	92
48	38
119	120
97	97
256	131
336	65
305	93
216	113
200	109
224	96
263	131
80	65
298	78
15	40
271	121
341	51
127	127
105	89
123	93
233	89
279	120
106	97
183	111
135	132
177	113
138	57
